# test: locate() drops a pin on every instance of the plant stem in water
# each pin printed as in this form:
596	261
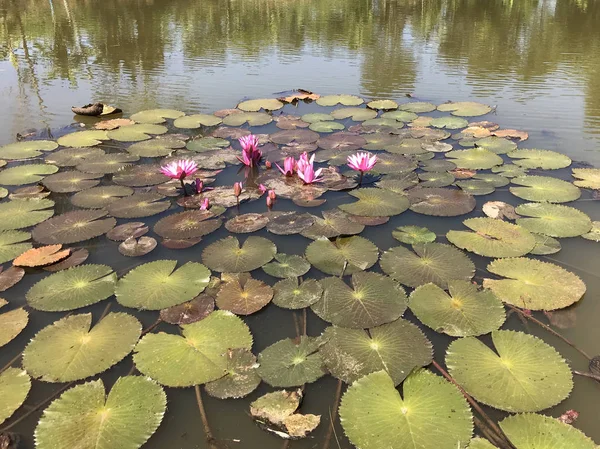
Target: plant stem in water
209	437
333	416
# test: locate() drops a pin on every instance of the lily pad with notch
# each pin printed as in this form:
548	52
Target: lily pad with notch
544	189
44	255
107	163
412	235
187	225
133	247
440	201
189	312
343	99
70	157
554	220
287	266
156	116
476	187
12	324
545	245
82	139
100	197
138	205
496	145
207	144
71	181
465	108
27	149
587	178
291	294
243	295
227	256
14	388
136	133
334	223
300	136
345	255
155	147
594	233
250	118
72	227
130	229
246	223
17	214
543	159
290	223
13	243
474	158
354	113
26	174
241	378
267	104
139	176
375	202
436	179
341	141
326	126
449	122
196	121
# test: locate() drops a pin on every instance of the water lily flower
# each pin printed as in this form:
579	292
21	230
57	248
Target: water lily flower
272	194
307	173
362	162
289	166
268	165
270	202
303	161
180	170
237	189
262	188
199	185
251	155
205	204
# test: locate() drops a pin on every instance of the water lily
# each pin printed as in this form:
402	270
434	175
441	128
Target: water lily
205	204
262	189
362	162
306	171
251	155
270	202
289	166
180	170
237	191
272	194
303	161
199	185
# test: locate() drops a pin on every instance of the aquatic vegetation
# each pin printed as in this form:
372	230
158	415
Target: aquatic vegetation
251	155
180	170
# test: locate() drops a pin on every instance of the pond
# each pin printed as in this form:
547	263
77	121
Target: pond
530	72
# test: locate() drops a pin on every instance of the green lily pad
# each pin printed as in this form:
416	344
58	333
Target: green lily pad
298	136
83	139
436	179
199	349
276	407
241	378
493	238
27	149
72	227
385	105
187	225
73	288
13	244
196	121
289	223
107	163
394	163
405	423
155	147
418	107
466	311
465	108
139	176
545	245
346	255
207	144
400	116
138	205
317	117
430	262
290	363
246	223
83	417
509	170
158	285
544	189
251	118
71	181
333	100
492	179
70	157
26	174
356	114
533	431
3	192
136	133
268	104
384	123
227	256
594	233
481	443
326	127
498	145
587	178
396	348
553	220
287	266
99	197
289	294
14	388
413	234
474	159
449	122
476	187
243	295
155	116
440	201
372	300
70	349
380	140
523	375
533	284
334	223
544	159
19	214
11	324
399	183
375	202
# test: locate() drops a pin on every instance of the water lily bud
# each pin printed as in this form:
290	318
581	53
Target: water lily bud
237	189
268	164
270	202
272	194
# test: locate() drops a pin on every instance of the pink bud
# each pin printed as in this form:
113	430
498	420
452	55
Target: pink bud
272	194
237	189
270	202
205	204
262	188
268	164
199	185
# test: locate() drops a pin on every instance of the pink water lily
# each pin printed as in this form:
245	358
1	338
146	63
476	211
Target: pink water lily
270	202
303	161
306	171
262	189
362	162
205	204
180	170
251	155
289	166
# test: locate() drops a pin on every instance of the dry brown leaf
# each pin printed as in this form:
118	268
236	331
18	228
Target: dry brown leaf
500	210
301	95
44	255
463	173
476	131
113	124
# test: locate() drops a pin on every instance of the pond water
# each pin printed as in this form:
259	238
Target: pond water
536	62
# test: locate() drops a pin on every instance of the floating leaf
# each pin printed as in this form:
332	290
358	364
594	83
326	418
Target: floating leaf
246	223
532	431
158	285
374	202
394	163
136	133
449	122
12	244
413	234
139	176
524	374
196	121
45	255
107	163
180	243
275	407
14	388
200	349
545	245
356	114
493	238
99	197
372	300
300	136
71	181
80	139
123	232
26	174
594	233
544	188
287	266
115	123
544	159
244	295
346	255
133	247
382	104
475	158
499	210
155	116
241	378
497	145
492	179
587	178
432	414
439	147
290	122
476	187
70	157
155	147
268	104
436	179
430	262
187	225
289	294
396	348
27	149
400	116
418	107
251	118
466	311
290	223
189	312
440	201
207	144
18	214
334	223
10	277
465	108
138	205
333	100
399	183
72	227
553	220
76	258
85	418
534	285
290	363
70	349
341	141
227	256
11	325
326	127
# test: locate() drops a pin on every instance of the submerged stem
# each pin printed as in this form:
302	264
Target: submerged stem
5	367
333	416
209	437
590	375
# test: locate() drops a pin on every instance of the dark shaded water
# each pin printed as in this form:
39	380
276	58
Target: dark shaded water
538	61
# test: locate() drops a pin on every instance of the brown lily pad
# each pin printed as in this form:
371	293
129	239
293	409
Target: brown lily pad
30	192
511	134
440	201
462	173
77	257
74	226
189	312
133	247
290	223
10	277
243	295
138	205
342	141
45	255
500	210
180	243
108	125
122	232
246	223
290	122
71	181
187	225
140	176
226	132
368	221
294	136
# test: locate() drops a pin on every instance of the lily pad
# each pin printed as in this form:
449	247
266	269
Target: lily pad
400	182
26	174
85	418
317	117
394	163
19	214
70	349
544	159
275	407
465	108
70	157
155	116
290	363
189	312
533	284
545	245
496	145
466	311
268	104
594	233
136	133
287	266
554	220
396	348
346	255
300	136
139	176
138	205
45	255
155	147
290	223
133	247
440	201
107	163
196	121
81	139
187	225
476	187
246	223
11	325
76	258
71	181
418	107
12	244
544	189
200	349
475	158
375	202
385	105
10	277
493	238
227	256
413	234
374	403
587	178
436	179
251	118
509	170
244	295
334	223
158	285
333	100
123	232
449	122
74	226
400	116
356	114
430	262
99	197
290	294
326	127
341	141
523	375
241	378
14	388
207	144
27	149
372	300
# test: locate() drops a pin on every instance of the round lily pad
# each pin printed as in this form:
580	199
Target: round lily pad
19	214
465	311
474	159
155	116
287	266
227	256
44	255
14	388
139	176
386	105
99	197
241	378
545	245
268	104
413	234
317	117
71	181
207	144
80	139
70	349
497	145
196	121
246	223
449	122
74	226
356	114
200	349
400	182
187	225
436	179
430	262
189	312
133	247
123	232
294	136
158	285
594	233
493	238
138	205
290	294
290	363
26	174
476	187
587	178
76	258
251	118
346	255
544	189
375	202
373	402
70	157
554	220
85	418
509	170
440	201
11	324
326	126
136	133
244	295
372	300
333	100
27	149
10	277
334	223
290	223
533	284
544	159
107	163
418	107
396	348
524	374
155	147
12	244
